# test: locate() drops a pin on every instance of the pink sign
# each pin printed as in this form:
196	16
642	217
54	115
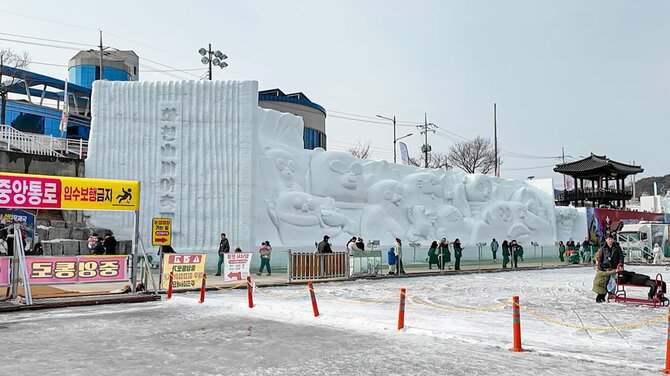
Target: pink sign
76	269
4	271
29	192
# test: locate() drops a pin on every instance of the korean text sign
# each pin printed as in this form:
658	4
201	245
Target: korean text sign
76	269
55	192
187	270
4	271
161	231
236	266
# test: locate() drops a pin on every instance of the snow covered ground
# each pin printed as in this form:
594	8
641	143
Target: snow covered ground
355	334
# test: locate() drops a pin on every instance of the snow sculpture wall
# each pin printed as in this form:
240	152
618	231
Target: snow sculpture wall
191	146
212	160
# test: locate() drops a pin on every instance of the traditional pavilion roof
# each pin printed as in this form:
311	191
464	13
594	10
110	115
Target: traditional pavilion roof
596	166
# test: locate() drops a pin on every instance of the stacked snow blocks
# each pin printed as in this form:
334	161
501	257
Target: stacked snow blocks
60	238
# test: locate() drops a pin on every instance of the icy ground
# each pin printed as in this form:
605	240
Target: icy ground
355	334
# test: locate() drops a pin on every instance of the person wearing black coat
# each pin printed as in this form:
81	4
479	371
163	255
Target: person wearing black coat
109	243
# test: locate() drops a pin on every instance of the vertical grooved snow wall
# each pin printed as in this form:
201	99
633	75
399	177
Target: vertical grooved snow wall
191	145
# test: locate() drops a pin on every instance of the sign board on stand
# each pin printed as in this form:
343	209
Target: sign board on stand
187	270
161	231
236	266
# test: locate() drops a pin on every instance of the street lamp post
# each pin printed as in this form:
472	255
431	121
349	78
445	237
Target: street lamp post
394	139
212	57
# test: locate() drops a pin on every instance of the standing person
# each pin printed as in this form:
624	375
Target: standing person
515	253
561	251
391	259
360	244
458	253
397	250
610	257
588	254
494	248
505	253
443	254
324	246
224	247
432	256
352	247
658	254
265	250
109	243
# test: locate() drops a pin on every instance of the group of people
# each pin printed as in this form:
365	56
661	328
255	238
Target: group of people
355	244
98	245
582	251
512	252
440	255
265	250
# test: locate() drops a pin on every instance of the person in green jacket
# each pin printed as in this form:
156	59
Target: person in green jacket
505	253
432	255
458	253
443	254
561	251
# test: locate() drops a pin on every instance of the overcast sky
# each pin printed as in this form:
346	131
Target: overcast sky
590	76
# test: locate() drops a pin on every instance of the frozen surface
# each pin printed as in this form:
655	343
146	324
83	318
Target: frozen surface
355	333
209	158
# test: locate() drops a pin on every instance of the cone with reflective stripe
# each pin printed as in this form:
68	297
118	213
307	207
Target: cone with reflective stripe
202	288
315	307
169	291
516	325
250	295
401	309
667	348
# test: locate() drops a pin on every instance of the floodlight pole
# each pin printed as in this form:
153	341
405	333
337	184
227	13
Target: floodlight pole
209	55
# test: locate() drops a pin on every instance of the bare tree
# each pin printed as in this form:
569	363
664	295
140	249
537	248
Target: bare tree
435	160
9	58
473	156
361	151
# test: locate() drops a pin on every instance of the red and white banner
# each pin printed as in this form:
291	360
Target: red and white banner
76	269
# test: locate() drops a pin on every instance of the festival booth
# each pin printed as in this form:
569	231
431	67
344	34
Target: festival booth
22	191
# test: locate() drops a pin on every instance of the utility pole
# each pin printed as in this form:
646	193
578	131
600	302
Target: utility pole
495	140
424	129
4	90
101	66
565	179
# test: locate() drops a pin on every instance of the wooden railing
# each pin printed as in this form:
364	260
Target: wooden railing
312	266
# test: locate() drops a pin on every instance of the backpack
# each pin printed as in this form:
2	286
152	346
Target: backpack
391	256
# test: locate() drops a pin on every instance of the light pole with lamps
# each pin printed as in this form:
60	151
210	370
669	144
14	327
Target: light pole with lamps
394	138
212	57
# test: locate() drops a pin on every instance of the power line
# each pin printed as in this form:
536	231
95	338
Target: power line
40	44
49	40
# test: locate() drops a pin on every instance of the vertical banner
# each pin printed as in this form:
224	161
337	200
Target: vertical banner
404	154
4	271
187	270
236	266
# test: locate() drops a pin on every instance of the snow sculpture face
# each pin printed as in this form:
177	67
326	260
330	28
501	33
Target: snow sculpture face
385	192
478	188
565	220
423	189
299	215
506	218
286	166
337	175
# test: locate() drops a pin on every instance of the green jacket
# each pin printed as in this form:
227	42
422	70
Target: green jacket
432	256
600	281
458	251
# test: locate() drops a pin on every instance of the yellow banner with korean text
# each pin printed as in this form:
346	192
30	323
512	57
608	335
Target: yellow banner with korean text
187	270
58	192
